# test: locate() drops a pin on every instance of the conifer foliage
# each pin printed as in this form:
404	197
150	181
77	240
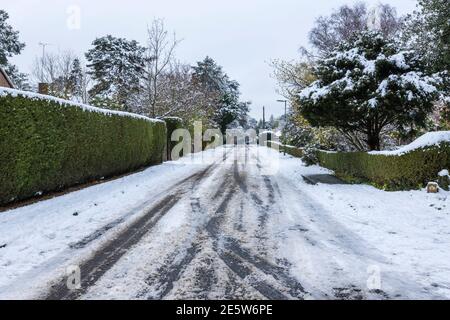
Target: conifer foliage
367	85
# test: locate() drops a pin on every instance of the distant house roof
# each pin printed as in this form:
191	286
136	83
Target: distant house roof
5	79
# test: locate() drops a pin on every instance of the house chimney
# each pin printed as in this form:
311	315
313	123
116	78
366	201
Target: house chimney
43	88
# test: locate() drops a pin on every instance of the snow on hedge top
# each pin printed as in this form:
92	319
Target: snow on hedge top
35	96
427	140
172	118
444	173
267	132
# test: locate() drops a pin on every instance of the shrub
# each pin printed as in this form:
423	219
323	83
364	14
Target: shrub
444	179
310	156
172	124
411	170
291	150
48	144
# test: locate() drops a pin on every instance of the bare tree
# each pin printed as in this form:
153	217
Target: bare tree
55	69
160	54
346	21
292	76
178	95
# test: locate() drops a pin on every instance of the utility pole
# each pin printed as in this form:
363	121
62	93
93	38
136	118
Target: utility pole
264	118
43	45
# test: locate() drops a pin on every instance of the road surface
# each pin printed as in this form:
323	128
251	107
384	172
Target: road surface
227	248
234	223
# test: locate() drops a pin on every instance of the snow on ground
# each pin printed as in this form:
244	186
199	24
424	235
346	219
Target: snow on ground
429	139
36	240
336	239
405	235
170	241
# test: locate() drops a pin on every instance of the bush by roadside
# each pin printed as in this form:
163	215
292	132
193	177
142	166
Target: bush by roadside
48	144
410	170
291	150
172	124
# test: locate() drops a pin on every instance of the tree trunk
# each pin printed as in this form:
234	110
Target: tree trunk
373	141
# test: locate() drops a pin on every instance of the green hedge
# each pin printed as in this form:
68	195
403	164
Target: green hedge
412	170
48	144
172	124
291	150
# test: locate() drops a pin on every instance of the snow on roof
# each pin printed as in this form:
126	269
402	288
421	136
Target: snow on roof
36	96
6	77
427	140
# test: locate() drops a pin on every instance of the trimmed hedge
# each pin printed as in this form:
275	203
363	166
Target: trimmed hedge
291	150
47	144
172	124
412	170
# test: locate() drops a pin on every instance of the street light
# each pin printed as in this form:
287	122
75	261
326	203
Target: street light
285	120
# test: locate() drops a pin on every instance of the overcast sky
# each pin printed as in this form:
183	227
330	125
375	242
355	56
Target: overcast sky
241	35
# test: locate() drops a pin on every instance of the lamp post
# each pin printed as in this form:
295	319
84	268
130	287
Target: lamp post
285	120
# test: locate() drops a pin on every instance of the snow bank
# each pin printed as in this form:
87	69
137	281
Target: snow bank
172	118
66	103
352	228
284	145
267	132
427	140
444	173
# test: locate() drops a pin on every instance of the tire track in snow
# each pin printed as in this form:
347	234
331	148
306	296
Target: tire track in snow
269	280
211	244
103	259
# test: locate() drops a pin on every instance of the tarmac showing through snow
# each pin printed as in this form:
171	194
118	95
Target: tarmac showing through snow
230	223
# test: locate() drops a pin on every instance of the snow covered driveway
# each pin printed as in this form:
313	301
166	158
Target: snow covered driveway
231	223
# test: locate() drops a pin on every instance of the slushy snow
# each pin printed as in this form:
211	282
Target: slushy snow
330	236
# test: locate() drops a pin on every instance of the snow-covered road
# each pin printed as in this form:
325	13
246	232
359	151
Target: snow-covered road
231	223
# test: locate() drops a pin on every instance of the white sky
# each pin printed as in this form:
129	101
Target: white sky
242	36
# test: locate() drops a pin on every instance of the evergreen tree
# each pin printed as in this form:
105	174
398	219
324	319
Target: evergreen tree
209	76
428	32
219	94
9	47
78	82
367	86
229	108
117	65
9	40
